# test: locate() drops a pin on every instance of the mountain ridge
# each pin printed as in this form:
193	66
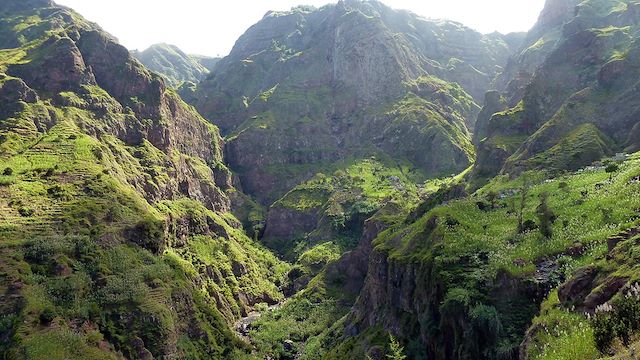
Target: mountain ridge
175	65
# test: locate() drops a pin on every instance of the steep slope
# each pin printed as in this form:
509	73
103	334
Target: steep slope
577	105
115	235
461	282
304	89
174	65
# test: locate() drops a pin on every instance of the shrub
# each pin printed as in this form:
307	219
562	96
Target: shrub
618	321
47	315
56	192
25	211
546	217
610	169
148	233
451	222
396	351
492	196
261	307
483	206
7	171
528	225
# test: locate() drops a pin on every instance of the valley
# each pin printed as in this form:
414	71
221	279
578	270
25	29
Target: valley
351	182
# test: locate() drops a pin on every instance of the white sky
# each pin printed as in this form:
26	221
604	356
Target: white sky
211	27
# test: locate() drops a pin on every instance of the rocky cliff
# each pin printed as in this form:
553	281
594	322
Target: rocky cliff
567	100
114	204
305	88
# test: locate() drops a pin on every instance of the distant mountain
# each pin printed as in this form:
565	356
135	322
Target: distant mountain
175	65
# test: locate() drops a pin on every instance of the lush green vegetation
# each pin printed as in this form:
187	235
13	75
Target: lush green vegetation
340	203
474	241
103	256
117	236
561	334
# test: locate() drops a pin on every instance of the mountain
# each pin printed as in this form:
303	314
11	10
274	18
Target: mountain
355	202
304	89
569	101
174	65
538	239
116	234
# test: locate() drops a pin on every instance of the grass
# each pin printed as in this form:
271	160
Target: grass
343	200
469	243
100	259
298	320
583	217
63	344
562	334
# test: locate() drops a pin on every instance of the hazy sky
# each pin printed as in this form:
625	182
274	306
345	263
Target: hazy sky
211	27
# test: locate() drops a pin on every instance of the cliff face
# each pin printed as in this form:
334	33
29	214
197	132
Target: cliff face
442	305
113	200
568	91
306	88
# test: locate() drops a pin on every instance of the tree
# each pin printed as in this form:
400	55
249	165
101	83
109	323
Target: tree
524	190
545	216
397	351
492	196
610	169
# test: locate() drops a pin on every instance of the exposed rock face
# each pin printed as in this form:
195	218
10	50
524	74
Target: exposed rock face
574	95
410	300
287	224
592	286
579	286
174	64
66	69
351	269
12	92
305	88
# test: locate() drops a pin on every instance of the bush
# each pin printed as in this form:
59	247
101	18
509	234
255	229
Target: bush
546	217
610	169
618	321
149	234
563	186
396	351
7	171
47	315
56	192
483	206
451	222
25	211
528	225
